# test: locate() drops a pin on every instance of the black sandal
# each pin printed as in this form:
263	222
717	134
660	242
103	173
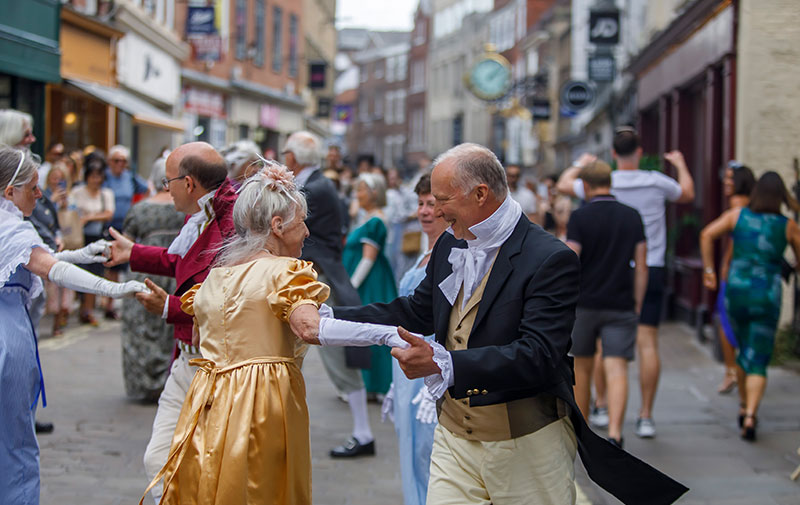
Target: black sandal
742	412
749	432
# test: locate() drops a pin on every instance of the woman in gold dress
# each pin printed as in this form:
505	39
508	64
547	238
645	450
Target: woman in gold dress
242	436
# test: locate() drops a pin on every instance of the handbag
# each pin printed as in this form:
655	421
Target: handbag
71	230
411	242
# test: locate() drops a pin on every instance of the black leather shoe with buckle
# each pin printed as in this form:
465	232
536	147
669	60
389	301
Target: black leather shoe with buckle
44	427
352	449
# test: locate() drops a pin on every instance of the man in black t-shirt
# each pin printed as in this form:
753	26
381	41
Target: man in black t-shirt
609	239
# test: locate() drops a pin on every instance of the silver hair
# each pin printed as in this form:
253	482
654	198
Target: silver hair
376	185
270	192
13	124
239	155
158	172
475	165
306	148
121	150
9	161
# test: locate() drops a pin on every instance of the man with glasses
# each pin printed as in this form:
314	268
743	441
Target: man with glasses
196	178
647	191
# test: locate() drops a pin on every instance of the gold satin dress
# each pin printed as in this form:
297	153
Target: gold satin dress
242	436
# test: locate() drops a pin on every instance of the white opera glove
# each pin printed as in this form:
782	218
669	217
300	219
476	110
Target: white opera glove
426	412
96	252
71	277
387	408
339	333
361	272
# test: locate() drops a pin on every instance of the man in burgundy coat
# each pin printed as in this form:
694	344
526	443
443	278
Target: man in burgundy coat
196	180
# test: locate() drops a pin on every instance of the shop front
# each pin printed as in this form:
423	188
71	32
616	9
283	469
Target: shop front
686	101
204	116
29	59
260	114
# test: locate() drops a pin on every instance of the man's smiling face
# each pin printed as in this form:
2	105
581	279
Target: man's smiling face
459	210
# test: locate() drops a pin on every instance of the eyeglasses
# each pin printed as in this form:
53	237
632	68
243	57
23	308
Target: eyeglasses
118	160
165	182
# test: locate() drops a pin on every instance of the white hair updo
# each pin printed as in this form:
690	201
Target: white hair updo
268	193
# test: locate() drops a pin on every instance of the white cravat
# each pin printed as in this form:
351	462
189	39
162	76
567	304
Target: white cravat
470	265
194	226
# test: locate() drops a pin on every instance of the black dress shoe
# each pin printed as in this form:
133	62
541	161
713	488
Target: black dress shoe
353	449
616	443
44	427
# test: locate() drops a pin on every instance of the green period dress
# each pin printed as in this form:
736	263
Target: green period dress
753	295
379	286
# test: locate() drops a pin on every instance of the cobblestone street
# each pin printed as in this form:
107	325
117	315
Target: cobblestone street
95	454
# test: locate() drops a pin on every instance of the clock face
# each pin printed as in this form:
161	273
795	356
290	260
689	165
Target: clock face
490	79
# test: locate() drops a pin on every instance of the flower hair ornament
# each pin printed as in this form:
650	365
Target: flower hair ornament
275	176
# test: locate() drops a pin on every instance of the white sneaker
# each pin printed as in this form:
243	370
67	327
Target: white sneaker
599	417
645	427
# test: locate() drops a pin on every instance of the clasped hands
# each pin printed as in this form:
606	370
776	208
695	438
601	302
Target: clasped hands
316	326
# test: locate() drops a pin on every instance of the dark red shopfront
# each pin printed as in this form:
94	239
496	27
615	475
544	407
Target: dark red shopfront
686	99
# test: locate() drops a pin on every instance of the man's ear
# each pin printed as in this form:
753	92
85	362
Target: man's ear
481	193
189	183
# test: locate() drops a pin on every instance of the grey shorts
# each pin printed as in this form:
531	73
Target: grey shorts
616	329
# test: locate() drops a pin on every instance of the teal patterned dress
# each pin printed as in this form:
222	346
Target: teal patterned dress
379	286
753	295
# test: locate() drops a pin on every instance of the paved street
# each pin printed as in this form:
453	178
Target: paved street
94	456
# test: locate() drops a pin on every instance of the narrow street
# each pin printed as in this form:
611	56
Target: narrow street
95	454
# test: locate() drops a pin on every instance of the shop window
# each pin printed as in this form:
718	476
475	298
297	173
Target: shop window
277	37
244	132
293	45
261	14
241	29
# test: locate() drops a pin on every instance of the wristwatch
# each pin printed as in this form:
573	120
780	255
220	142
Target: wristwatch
708	270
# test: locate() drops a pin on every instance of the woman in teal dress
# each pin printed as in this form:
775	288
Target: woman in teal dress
753	296
370	272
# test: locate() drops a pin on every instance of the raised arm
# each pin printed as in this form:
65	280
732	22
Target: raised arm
715	229
566	183
684	176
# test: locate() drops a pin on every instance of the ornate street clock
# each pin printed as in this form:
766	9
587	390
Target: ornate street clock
490	77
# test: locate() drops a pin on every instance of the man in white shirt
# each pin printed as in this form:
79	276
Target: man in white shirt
646	191
522	195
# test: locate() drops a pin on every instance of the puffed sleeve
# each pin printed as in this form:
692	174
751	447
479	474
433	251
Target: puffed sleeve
187	299
297	285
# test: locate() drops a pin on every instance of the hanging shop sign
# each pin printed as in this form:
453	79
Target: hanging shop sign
602	68
490	77
200	21
204	102
147	69
540	109
268	116
343	113
316	75
576	95
324	107
604	27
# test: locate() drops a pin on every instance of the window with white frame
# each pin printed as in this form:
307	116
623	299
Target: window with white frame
389	116
416	127
399	148
378	72
401	61
387	151
363	73
400	106
378	105
419	33
417	76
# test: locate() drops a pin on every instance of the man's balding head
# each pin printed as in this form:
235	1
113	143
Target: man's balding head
193	170
302	150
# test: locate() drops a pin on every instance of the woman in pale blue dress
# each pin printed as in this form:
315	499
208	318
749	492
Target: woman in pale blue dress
23	259
414	411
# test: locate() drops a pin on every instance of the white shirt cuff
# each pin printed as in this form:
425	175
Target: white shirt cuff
165	312
438	383
577	187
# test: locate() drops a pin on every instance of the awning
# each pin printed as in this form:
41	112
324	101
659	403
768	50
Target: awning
142	112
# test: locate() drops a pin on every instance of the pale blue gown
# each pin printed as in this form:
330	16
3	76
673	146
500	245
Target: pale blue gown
415	439
21	381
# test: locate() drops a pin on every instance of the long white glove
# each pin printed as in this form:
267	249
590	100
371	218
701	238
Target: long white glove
426	412
340	333
361	272
96	252
69	276
387	408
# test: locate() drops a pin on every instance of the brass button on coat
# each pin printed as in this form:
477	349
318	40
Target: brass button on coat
484	392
